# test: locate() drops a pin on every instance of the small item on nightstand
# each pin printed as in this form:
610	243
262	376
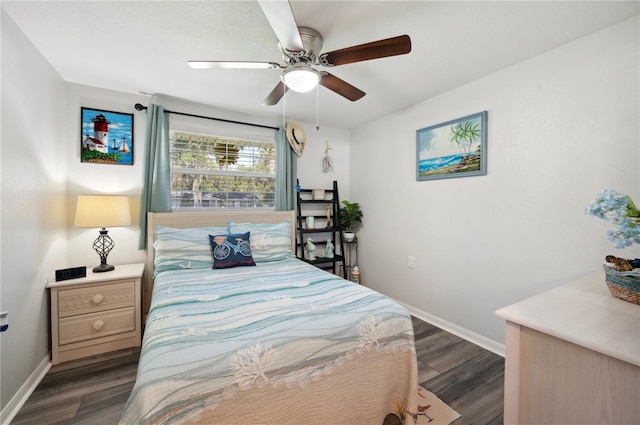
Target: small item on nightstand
318	194
71	273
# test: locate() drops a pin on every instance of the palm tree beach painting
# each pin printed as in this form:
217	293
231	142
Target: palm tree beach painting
456	148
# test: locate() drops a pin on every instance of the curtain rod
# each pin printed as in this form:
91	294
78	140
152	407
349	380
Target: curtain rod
140	107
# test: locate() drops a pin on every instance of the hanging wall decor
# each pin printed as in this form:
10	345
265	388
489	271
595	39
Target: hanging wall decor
106	137
327	162
296	137
456	148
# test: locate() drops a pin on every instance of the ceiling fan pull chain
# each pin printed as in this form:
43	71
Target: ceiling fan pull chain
284	107
317	106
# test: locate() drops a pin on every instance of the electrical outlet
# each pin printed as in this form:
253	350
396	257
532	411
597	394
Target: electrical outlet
411	262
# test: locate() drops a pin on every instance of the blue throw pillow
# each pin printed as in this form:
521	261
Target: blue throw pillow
231	250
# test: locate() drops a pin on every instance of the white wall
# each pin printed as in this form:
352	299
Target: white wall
562	126
32	197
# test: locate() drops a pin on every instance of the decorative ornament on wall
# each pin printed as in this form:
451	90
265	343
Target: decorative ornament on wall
327	162
296	137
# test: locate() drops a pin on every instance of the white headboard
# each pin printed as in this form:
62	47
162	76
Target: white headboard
185	220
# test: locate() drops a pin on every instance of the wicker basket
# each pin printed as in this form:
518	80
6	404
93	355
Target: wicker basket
624	285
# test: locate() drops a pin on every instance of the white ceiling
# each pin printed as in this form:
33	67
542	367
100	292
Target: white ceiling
143	47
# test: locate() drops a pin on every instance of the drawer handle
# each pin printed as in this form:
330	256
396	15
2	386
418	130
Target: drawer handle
97	298
98	324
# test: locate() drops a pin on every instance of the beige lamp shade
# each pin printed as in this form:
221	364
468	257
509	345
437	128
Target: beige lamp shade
102	211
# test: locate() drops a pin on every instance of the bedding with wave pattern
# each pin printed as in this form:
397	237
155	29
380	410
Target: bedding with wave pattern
279	343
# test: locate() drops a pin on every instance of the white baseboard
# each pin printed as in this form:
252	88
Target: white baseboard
477	339
15	404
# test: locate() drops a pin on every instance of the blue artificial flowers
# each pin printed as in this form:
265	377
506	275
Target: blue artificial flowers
618	209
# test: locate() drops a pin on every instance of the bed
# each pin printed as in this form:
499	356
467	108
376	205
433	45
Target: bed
278	342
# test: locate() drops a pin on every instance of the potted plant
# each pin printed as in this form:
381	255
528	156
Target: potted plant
350	219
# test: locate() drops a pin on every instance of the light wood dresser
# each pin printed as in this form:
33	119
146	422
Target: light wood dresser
572	357
96	314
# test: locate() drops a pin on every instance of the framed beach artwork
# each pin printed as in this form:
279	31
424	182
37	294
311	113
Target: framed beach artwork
456	148
106	137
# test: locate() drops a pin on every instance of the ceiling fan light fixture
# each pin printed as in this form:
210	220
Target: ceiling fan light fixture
301	78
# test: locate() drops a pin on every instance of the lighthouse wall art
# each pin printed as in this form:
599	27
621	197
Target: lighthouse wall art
106	137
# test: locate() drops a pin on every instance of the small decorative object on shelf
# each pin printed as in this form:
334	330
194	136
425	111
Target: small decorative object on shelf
311	250
310	222
355	274
622	276
328	250
318	194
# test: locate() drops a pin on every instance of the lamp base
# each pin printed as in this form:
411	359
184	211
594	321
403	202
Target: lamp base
103	268
103	245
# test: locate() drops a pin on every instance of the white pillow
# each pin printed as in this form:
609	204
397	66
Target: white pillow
183	248
269	242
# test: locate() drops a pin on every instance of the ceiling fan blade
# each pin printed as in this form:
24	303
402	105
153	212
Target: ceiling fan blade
276	94
341	87
233	65
363	52
280	16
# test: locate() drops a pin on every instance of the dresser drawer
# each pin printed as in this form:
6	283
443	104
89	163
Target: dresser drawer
96	325
72	302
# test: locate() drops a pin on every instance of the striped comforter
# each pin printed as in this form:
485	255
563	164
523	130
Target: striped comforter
278	343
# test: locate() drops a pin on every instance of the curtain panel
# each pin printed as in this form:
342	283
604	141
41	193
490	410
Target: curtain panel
156	184
286	173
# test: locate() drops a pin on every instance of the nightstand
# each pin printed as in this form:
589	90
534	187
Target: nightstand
96	314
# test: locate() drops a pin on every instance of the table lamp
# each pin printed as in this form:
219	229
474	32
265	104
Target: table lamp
103	211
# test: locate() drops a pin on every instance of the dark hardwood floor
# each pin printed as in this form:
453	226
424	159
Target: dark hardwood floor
468	378
93	391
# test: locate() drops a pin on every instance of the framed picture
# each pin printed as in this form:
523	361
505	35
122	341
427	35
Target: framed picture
456	148
106	137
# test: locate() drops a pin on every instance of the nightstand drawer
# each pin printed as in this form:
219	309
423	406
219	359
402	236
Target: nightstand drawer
73	302
96	325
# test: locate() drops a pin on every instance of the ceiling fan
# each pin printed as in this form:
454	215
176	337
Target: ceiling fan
300	47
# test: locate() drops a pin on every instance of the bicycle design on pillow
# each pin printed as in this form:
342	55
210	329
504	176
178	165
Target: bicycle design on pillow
224	246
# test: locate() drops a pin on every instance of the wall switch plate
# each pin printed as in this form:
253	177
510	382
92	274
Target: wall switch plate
411	262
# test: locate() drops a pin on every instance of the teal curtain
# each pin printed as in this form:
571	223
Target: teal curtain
286	173
156	185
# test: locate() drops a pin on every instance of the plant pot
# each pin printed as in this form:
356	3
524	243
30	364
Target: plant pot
348	236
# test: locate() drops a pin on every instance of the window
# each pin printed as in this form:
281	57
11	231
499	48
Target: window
209	171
